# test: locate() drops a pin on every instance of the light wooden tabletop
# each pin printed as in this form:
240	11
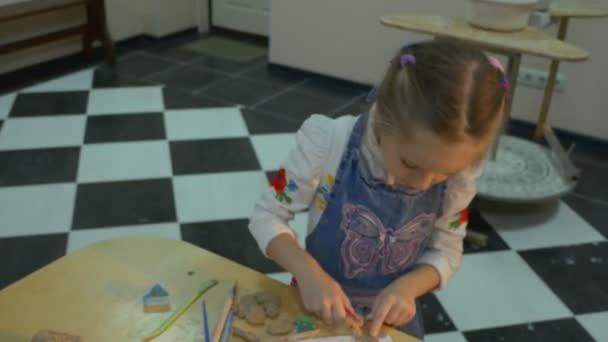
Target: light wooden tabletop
529	41
579	8
97	292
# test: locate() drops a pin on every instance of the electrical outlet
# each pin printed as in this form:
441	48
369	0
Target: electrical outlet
538	79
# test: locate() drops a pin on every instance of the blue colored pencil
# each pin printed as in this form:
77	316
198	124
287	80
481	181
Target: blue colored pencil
206	323
228	327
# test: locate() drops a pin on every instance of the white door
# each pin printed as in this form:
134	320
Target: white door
249	16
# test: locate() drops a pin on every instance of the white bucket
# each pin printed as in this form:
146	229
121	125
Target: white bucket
500	15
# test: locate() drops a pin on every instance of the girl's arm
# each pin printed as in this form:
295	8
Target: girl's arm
293	190
444	251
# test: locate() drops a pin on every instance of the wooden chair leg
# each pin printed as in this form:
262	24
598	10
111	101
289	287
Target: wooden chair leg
97	29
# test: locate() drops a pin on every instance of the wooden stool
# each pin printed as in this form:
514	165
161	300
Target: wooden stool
95	29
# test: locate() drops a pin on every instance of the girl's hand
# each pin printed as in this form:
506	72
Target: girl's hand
395	305
322	295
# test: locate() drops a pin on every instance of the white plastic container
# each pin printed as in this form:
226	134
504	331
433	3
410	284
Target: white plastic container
500	15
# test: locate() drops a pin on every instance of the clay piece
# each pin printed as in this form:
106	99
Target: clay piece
255	315
267	297
272	310
270	302
280	327
53	336
245	335
305	323
157	300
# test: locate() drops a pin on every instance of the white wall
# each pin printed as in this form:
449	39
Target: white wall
126	18
344	38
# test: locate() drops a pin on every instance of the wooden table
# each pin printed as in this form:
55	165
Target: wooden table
564	10
97	293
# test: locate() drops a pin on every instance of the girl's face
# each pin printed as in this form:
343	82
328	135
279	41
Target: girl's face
424	159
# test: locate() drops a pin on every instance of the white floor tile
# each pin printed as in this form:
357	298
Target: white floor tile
498	289
283	277
42	132
82	238
122	161
272	149
82	80
539	226
205	123
125	100
6	103
596	324
32	210
445	337
218	196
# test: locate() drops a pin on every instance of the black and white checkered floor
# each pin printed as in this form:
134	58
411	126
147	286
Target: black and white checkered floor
102	153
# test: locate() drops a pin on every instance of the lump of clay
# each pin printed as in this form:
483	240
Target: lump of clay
272	310
280	327
267	297
270	302
245	335
255	315
242	307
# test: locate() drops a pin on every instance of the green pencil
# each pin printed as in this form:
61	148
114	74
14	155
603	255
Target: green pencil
169	321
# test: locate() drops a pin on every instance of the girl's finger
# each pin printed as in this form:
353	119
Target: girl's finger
338	312
326	313
348	306
394	316
379	316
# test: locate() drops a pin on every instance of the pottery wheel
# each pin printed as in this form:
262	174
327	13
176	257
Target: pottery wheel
523	171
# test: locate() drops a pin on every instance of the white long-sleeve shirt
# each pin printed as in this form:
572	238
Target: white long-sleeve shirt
313	164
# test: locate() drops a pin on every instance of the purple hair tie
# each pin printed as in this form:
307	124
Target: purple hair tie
407	59
505	84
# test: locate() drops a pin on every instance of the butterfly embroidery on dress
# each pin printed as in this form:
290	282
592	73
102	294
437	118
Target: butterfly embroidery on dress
369	244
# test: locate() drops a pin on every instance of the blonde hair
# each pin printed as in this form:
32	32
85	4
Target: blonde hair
450	88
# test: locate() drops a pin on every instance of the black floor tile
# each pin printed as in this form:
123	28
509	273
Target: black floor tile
436	320
242	91
478	224
591	152
38	166
333	89
187	78
56	103
222	65
230	239
277	75
563	330
592	182
24	255
125	127
140	64
594	212
109	78
213	155
181	99
357	107
577	274
298	105
267	123
174	49
124	203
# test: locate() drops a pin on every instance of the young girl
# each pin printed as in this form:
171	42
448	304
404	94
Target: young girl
387	191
